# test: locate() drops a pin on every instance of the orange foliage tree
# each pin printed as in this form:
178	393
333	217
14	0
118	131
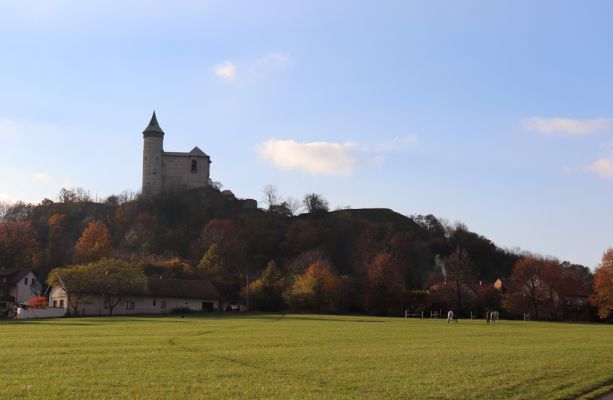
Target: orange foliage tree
603	286
38	302
384	285
94	244
18	244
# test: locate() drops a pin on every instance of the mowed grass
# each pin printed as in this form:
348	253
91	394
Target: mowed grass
301	357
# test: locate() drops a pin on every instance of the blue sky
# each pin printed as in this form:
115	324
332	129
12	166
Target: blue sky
496	114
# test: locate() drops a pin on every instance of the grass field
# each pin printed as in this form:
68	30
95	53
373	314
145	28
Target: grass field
301	356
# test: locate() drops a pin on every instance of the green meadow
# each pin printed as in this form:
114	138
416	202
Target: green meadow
301	357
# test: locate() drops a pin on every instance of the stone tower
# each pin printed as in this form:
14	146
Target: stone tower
153	151
164	170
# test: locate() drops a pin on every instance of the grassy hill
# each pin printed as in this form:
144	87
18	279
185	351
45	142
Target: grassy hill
302	356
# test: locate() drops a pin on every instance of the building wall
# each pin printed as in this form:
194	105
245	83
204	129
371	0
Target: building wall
24	291
152	164
177	171
94	305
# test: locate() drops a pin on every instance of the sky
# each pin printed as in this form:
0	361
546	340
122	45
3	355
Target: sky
495	114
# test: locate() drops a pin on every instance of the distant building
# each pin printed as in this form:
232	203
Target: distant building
160	296
164	170
16	286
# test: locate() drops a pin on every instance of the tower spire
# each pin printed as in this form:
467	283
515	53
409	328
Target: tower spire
153	129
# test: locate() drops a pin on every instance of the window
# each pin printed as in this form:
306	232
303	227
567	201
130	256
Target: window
25	281
107	303
162	304
194	166
54	303
130	305
61	303
154	303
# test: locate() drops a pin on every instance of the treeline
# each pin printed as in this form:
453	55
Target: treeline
354	260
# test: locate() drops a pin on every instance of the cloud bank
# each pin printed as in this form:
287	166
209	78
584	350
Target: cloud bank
226	70
317	158
328	158
603	167
566	126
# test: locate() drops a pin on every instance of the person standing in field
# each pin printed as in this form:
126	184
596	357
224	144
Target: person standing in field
449	316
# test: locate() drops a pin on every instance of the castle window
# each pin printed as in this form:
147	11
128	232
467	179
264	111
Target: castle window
194	166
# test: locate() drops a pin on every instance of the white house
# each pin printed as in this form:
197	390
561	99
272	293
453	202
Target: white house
17	286
160	296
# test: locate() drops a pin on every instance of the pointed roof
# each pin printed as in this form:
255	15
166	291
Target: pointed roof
197	152
153	129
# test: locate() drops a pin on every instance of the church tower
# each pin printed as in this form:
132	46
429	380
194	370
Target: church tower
153	151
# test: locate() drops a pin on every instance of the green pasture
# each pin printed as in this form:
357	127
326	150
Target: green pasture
301	357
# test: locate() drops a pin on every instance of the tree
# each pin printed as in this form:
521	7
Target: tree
114	279
384	286
316	289
603	286
271	196
57	240
266	291
38	302
18	244
459	268
528	290
94	244
315	203
212	265
77	281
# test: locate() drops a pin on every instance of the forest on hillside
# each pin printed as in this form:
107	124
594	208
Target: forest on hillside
354	260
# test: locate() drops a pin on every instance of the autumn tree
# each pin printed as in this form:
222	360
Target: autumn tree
316	289
38	302
533	286
213	265
58	245
460	272
384	285
266	292
18	244
95	243
603	286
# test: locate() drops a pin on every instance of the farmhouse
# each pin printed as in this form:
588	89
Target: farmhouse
16	286
159	296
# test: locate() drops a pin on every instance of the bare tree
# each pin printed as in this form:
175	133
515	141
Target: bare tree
460	272
271	196
315	203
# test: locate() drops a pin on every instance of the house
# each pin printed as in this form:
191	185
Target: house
502	285
573	293
160	296
16	287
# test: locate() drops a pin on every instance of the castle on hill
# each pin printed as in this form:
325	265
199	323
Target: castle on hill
163	170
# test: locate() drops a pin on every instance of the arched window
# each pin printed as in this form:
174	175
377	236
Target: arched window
194	166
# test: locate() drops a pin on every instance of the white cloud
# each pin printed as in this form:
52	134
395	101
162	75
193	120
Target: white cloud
226	70
317	158
9	128
41	177
274	61
398	143
5	198
566	126
603	167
